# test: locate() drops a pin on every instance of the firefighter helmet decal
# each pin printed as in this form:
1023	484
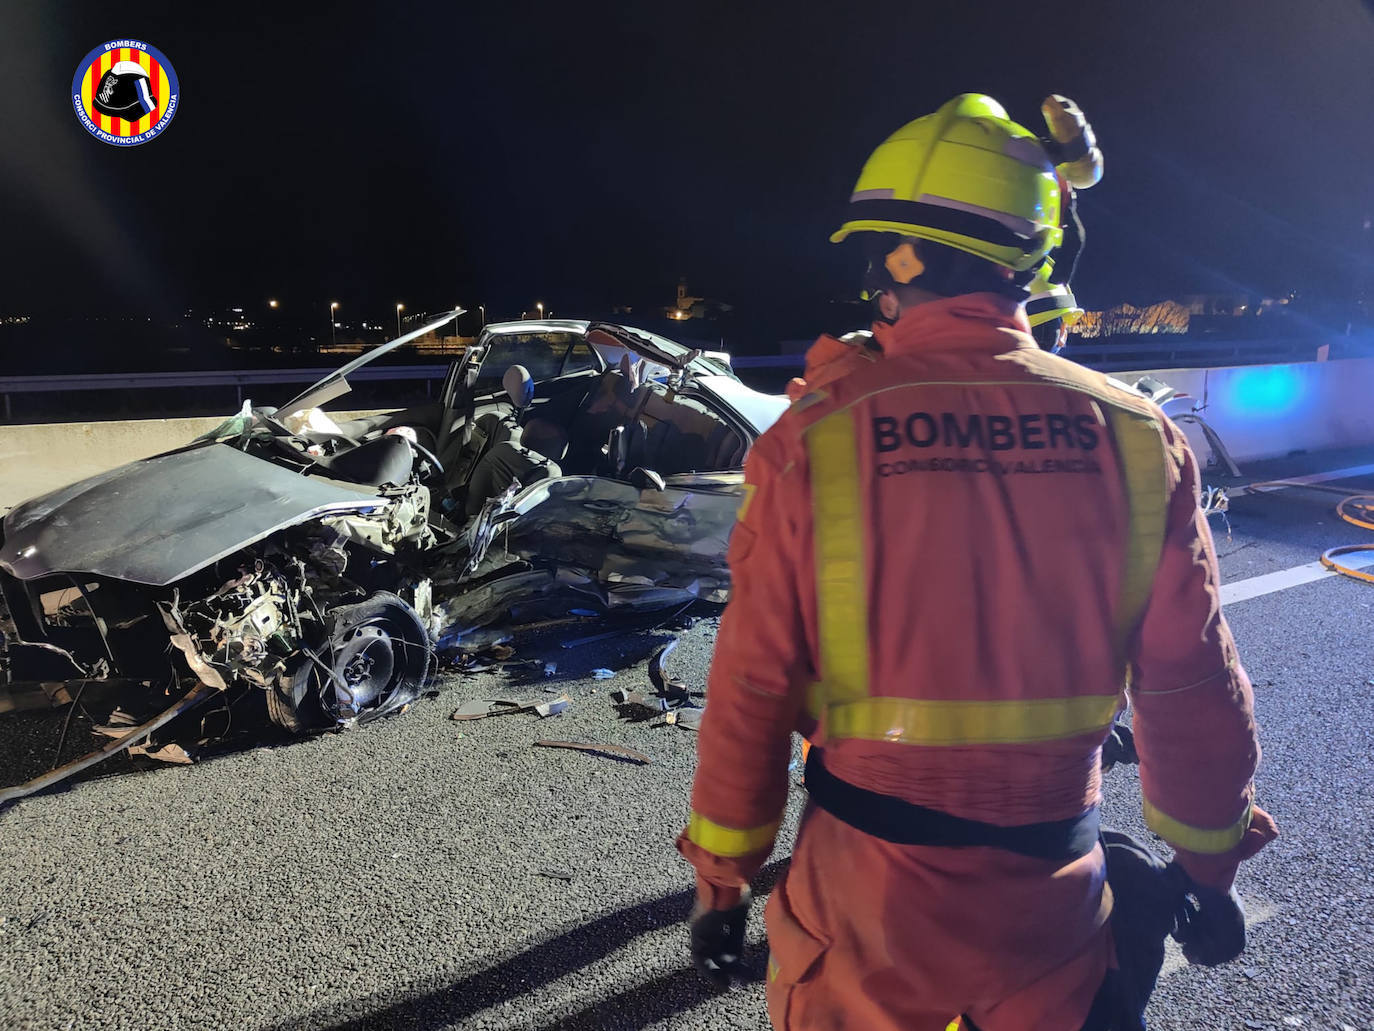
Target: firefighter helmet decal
125	92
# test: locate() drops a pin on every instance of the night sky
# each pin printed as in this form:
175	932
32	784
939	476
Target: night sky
585	154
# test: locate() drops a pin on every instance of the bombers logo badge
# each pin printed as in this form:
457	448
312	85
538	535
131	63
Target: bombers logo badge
125	92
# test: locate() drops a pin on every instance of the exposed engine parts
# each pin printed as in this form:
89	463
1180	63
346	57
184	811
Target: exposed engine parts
322	659
401	525
248	628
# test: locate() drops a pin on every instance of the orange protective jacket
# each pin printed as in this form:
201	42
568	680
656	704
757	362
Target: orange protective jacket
829	359
948	561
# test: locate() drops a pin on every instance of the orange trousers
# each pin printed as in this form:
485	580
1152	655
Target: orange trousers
869	936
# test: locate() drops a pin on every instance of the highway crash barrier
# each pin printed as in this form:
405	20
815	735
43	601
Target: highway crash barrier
39	457
1256	411
1270	411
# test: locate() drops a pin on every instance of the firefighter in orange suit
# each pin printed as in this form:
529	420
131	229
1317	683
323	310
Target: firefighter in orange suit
950	565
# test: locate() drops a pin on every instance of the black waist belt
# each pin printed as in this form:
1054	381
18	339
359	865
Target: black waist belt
903	823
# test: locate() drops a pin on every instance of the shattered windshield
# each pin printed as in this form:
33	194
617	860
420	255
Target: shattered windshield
231	428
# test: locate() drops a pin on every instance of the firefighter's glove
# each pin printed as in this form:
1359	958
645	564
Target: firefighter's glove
1119	747
718	941
1211	926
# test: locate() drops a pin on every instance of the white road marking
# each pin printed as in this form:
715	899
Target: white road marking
1333	474
1281	580
1257	911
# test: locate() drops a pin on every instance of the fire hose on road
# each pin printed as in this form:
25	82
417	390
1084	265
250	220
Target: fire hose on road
1355	508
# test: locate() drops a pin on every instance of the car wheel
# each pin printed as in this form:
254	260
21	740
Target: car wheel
293	701
381	658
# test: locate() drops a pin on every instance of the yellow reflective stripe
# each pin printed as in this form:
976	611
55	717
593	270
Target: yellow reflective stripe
1196	839
729	842
920	721
1141	450
841	590
747	492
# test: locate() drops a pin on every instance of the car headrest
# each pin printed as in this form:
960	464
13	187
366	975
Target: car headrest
519	386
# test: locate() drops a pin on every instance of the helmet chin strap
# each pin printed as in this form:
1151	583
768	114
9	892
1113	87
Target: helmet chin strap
941	273
886	307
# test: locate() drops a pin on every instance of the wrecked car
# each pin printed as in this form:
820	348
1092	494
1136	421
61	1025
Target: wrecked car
314	565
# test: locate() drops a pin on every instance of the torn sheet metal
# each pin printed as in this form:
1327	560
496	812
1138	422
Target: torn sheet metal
161	519
666	686
201	693
688	718
481	708
484	603
633	548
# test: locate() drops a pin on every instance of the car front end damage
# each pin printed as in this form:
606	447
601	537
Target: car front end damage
323	622
290	570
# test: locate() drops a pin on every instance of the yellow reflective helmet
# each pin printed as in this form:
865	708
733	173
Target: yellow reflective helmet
1049	300
967	177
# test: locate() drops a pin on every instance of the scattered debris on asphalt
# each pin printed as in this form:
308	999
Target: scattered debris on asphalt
554	707
481	708
1215	501
558	873
637	706
196	696
621	752
666	686
602	674
688	718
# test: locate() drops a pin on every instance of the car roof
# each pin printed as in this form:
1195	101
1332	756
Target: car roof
538	326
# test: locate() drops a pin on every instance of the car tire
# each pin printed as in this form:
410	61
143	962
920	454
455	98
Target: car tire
293	701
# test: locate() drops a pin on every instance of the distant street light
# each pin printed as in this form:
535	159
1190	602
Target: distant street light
540	306
333	307
399	306
483	309
272	303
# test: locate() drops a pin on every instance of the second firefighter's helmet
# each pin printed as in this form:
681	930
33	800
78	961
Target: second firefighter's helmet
1049	300
967	177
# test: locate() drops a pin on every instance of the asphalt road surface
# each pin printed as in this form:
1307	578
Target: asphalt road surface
411	874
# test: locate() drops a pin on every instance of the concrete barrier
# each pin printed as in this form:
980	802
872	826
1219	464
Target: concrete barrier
1268	411
37	458
1259	411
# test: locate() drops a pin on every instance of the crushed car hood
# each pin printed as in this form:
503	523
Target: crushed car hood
163	518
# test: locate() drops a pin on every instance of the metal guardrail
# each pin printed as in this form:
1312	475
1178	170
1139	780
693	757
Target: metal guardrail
1120	354
1107	356
238	378
1116	355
